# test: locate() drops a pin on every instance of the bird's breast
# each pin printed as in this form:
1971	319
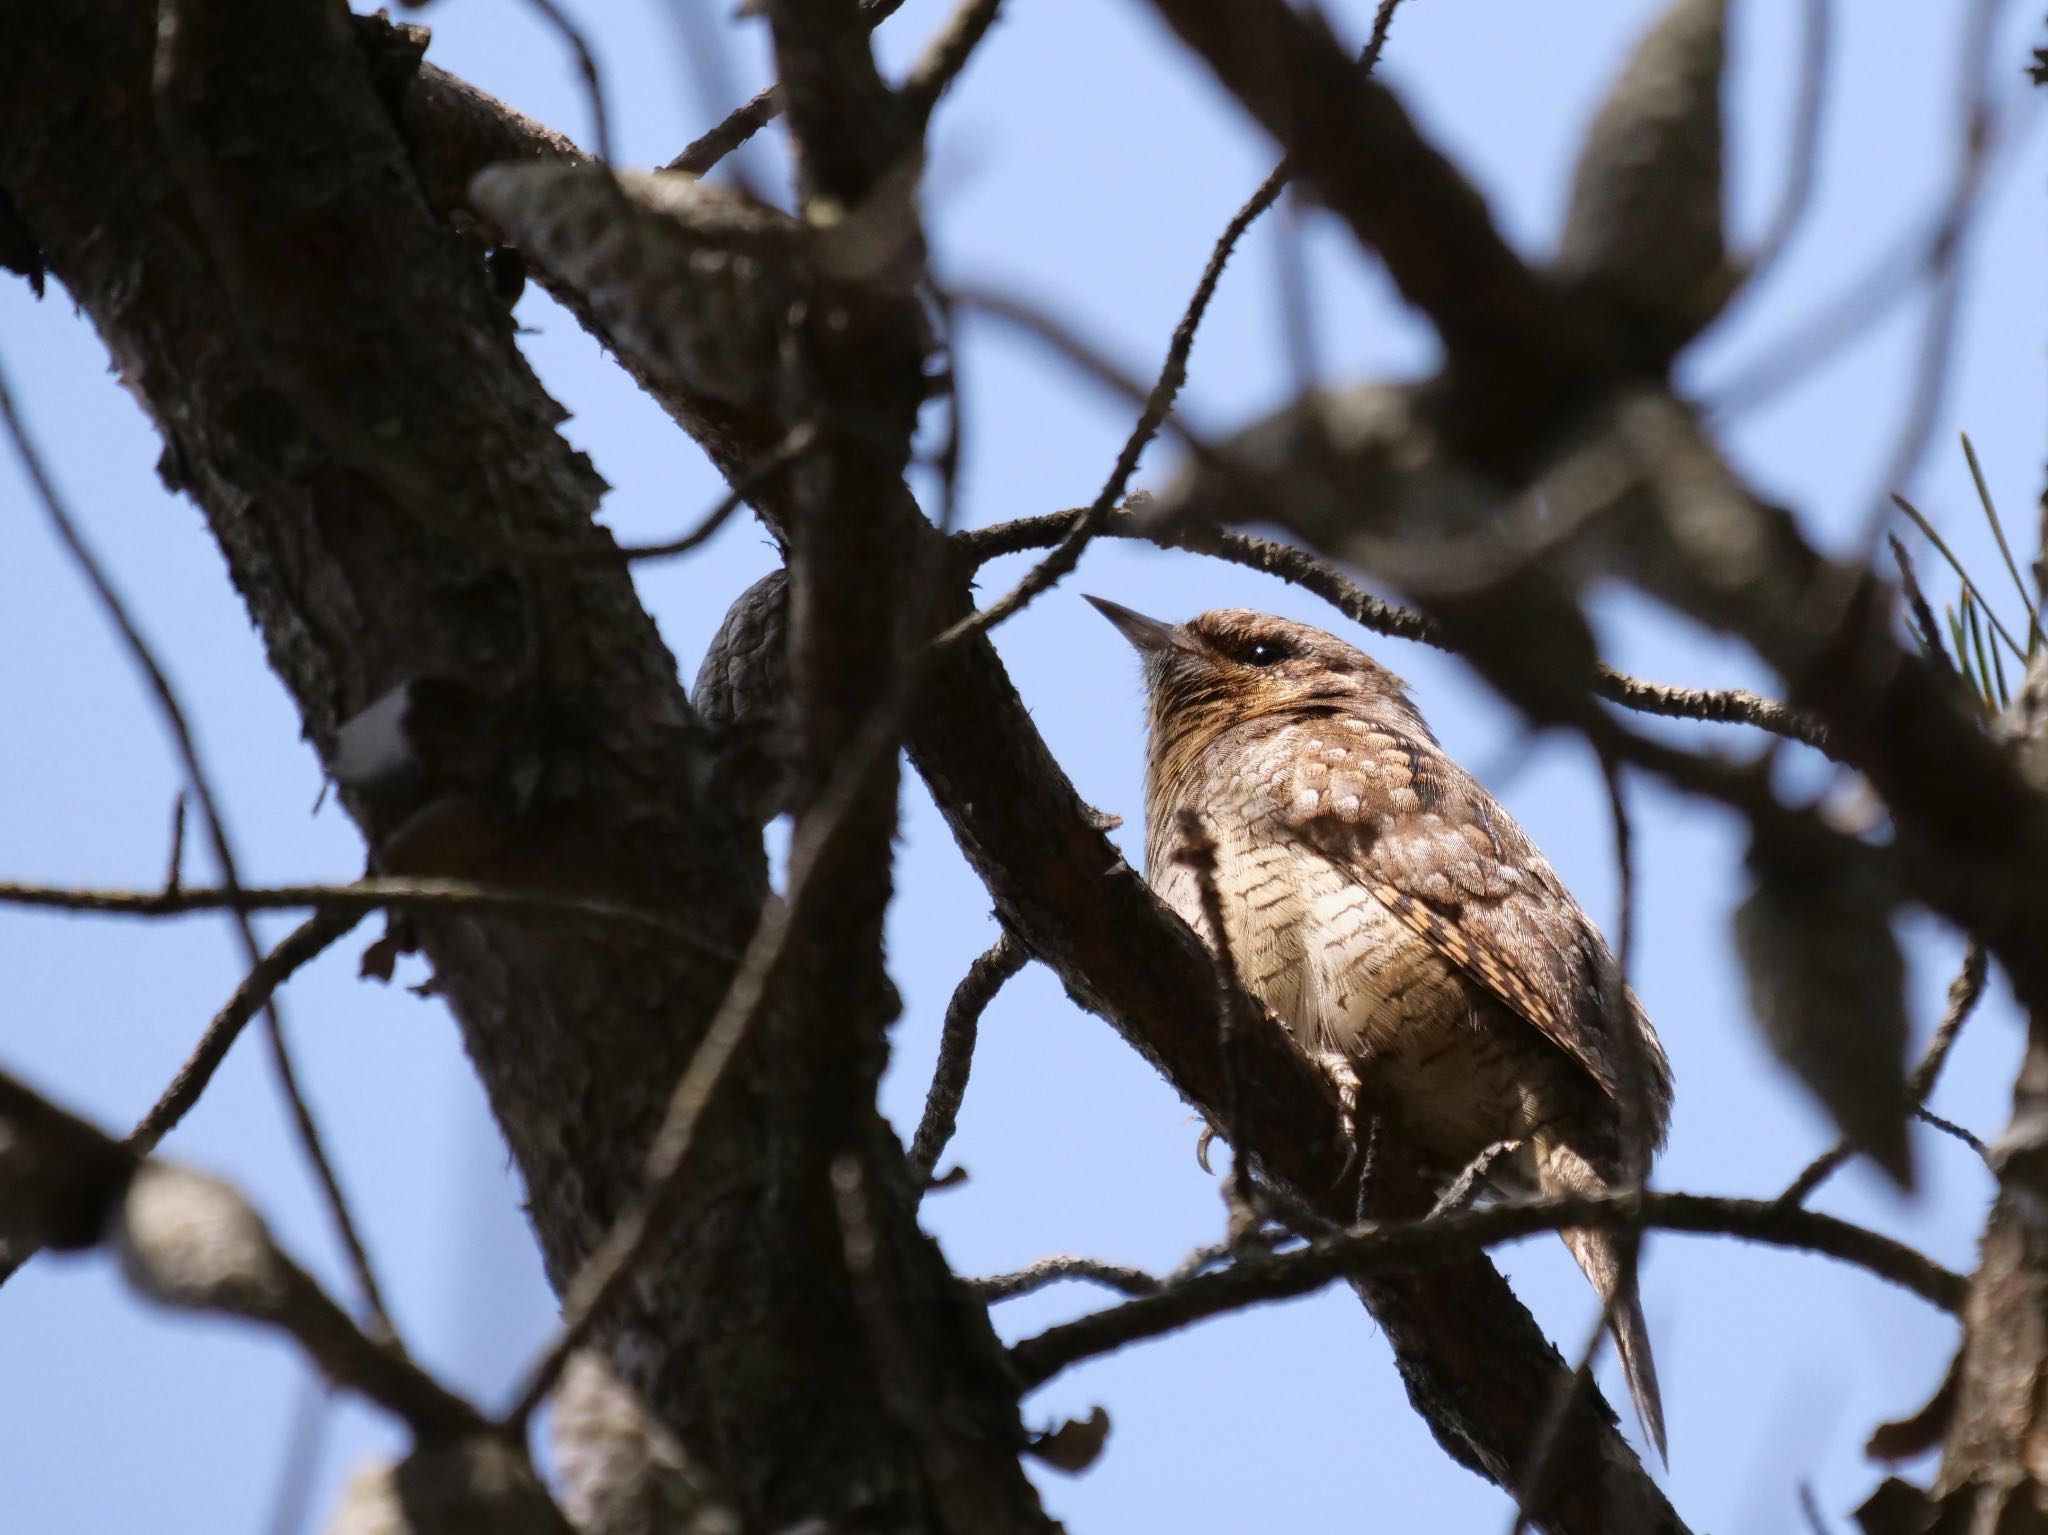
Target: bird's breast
1312	943
1349	978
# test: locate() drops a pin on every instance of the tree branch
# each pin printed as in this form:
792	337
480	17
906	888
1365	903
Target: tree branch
190	1241
178	725
1350	139
1002	961
1963	993
278	335
1477	1367
1260	1277
304	944
1034	1277
1300	567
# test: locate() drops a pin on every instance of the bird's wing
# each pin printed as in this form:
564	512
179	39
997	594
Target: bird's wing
1385	804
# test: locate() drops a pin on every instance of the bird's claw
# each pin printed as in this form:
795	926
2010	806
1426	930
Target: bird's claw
1468	1184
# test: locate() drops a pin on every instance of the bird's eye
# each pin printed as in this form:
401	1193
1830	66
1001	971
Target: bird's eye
1263	653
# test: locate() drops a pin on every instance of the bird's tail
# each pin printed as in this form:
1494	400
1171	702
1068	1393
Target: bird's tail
1561	1169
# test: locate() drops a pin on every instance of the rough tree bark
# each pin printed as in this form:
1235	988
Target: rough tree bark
363	542
1477	1367
270	264
1993	1410
232	205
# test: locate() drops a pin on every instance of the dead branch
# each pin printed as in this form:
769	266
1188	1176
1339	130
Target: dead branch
1001	962
1476	1364
1260	1277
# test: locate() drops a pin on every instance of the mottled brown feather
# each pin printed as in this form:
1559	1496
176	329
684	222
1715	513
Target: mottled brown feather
1346	763
1400	923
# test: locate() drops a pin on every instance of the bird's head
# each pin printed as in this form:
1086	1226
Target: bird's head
1232	666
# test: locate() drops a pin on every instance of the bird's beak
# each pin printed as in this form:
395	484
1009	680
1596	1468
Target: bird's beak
1149	635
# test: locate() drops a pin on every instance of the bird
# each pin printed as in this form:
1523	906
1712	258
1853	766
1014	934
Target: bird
1406	931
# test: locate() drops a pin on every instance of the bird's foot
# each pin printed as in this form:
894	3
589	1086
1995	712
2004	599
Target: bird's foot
1359	1132
1343	1072
1470	1183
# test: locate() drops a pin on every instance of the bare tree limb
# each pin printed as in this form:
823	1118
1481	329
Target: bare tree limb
188	1240
1803	155
1235	1014
346	305
1002	961
861	603
1173	374
1035	1277
1476	1365
1350	139
947	54
1312	574
1946	271
744	121
179	727
305	943
586	66
365	895
1261	1277
1963	993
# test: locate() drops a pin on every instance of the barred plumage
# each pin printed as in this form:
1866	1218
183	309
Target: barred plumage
1398	920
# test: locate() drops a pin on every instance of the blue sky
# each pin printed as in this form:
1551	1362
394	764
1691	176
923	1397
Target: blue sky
1087	162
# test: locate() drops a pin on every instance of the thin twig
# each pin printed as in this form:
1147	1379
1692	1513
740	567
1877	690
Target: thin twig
1471	1182
1207	1256
1198	852
757	477
1376	42
1804	158
312	1417
364	895
586	66
1963	993
1950	1128
305	943
1371	1135
1938	327
1066	552
174	866
1298	567
946	55
1924	625
743	122
1624	866
739	125
953	447
1897	270
1046	1271
640	1225
1259	1277
984	978
177	723
1159	400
